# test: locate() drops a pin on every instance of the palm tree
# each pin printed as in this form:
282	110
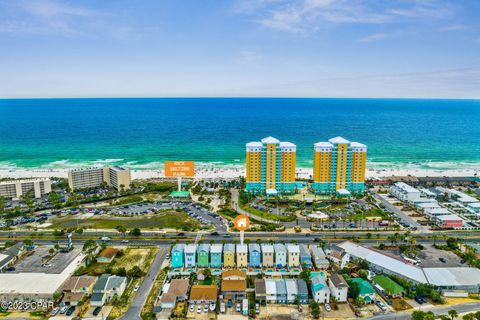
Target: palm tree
453	314
469	316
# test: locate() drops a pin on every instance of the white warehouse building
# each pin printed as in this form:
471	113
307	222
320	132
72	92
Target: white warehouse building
455	278
404	192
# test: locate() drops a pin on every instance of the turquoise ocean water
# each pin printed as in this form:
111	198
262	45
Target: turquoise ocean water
144	132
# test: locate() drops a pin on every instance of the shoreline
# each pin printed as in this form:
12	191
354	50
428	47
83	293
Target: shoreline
220	172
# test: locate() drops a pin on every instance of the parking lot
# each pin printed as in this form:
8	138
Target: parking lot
34	263
431	258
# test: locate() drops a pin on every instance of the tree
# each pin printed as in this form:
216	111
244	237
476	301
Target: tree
305	275
121	272
429	316
135	272
89	246
469	316
452	243
51	251
354	290
28	242
3	203
359	301
122	230
207	273
135	232
453	314
418	315
315	309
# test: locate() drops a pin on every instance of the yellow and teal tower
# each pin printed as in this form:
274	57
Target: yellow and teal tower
271	167
339	167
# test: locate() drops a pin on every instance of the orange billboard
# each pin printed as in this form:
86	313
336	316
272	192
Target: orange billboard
180	169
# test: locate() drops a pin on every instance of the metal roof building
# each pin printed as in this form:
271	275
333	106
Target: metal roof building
455	278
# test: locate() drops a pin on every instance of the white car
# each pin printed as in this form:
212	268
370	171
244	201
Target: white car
199	309
192	308
136	288
239	307
54	311
205	308
63	310
327	307
125	241
381	306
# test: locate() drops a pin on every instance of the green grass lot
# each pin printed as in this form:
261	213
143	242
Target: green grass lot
166	219
268	215
141	257
370	214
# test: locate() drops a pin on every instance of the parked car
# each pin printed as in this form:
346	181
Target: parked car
192	308
420	300
199	309
205	308
70	311
239	307
381	306
327	307
63	310
97	311
257	308
54	312
136	288
442	260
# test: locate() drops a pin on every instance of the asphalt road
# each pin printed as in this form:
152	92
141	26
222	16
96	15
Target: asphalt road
404	217
142	293
461	308
238	209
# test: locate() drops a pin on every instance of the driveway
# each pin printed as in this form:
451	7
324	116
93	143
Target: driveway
402	215
142	293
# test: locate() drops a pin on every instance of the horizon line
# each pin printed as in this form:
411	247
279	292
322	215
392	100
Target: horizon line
237	97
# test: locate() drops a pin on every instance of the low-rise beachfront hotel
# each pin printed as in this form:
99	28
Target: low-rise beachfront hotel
339	167
271	166
17	188
115	176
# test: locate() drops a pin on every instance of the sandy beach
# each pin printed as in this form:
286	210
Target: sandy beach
237	171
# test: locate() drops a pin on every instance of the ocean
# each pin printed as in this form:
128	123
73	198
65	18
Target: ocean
142	133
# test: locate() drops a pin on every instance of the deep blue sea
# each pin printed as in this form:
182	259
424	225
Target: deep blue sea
144	132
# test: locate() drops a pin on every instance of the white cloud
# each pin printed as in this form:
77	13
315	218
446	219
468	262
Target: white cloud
59	18
373	37
303	16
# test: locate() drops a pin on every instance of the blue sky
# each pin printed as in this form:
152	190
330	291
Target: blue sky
303	48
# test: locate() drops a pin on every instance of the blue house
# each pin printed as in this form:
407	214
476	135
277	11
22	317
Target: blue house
190	253
255	254
302	294
280	255
216	251
305	256
281	291
177	255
